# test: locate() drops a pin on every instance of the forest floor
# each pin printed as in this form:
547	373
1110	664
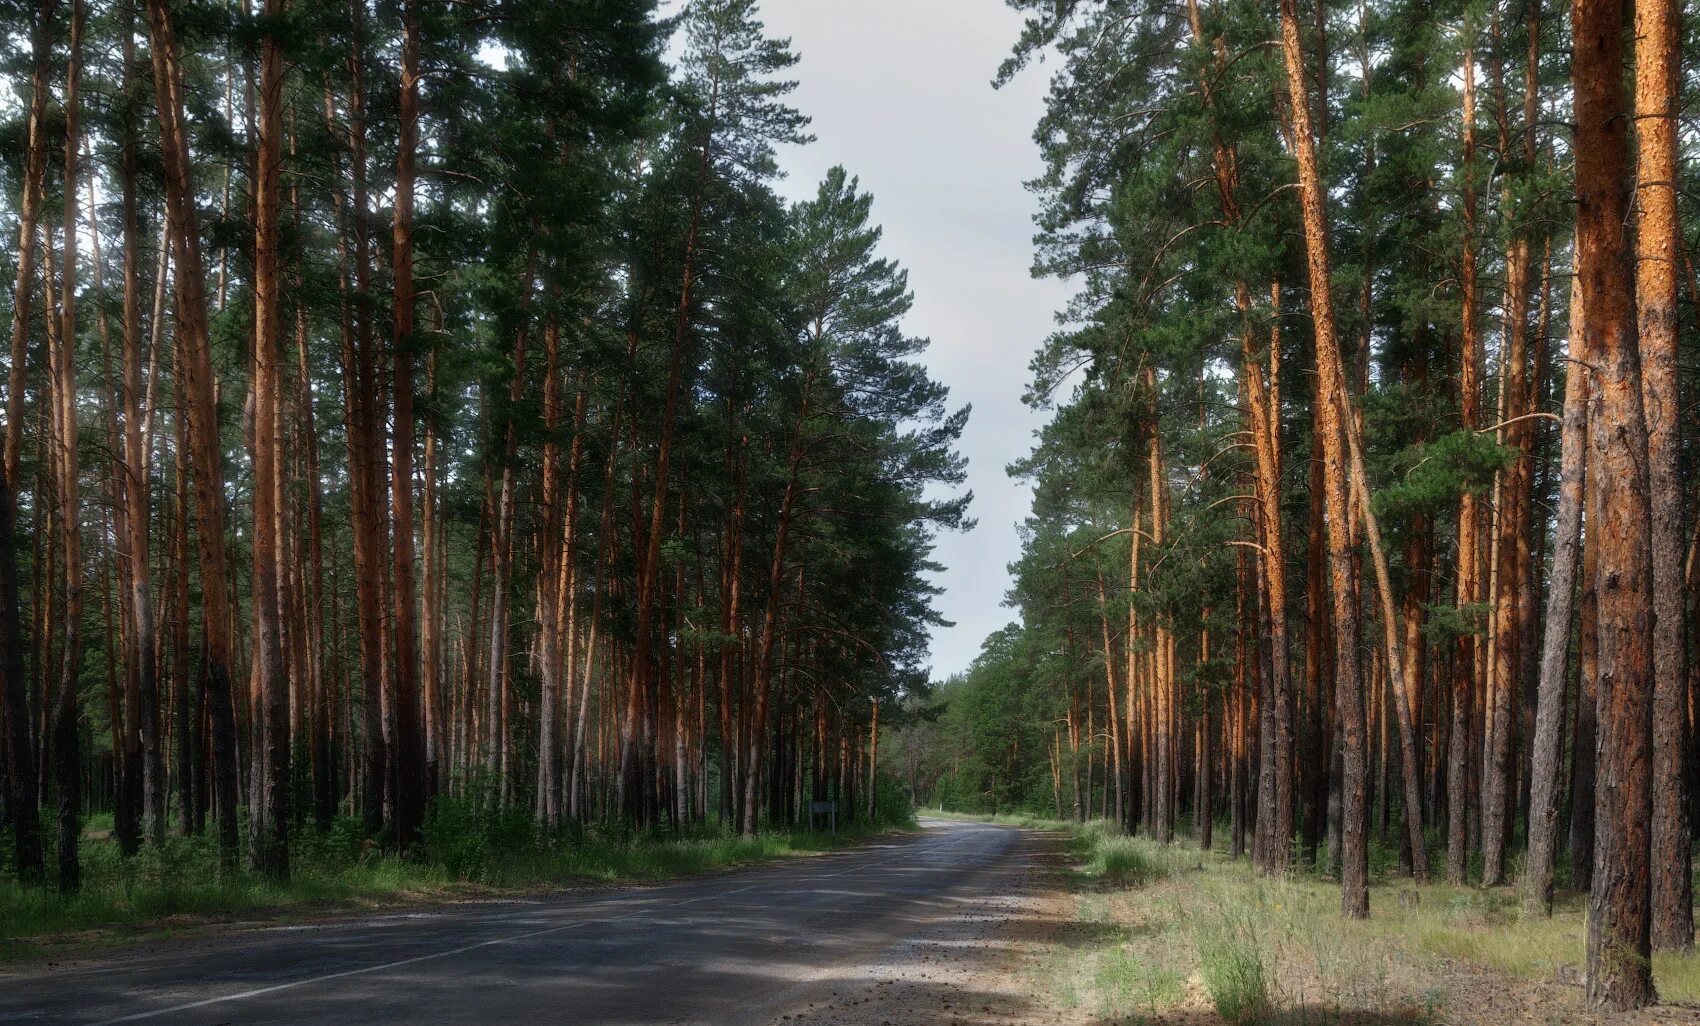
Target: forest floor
1180	937
161	894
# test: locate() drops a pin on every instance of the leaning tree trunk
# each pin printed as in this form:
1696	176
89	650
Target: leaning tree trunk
1555	646
1410	769
1354	869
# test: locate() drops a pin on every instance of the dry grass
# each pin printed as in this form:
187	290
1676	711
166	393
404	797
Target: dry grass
1177	935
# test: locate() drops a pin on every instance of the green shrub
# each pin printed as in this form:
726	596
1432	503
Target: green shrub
892	804
472	836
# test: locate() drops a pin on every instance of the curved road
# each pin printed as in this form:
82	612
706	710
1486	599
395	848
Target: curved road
745	947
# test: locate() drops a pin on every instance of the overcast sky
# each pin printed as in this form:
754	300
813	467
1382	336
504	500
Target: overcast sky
900	94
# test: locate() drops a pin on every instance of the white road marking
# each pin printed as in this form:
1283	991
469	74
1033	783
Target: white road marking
514	938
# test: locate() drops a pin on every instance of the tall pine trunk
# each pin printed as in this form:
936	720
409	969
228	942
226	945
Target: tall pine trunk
67	757
409	755
1354	870
1458	795
1618	974
16	730
199	396
1658	242
269	819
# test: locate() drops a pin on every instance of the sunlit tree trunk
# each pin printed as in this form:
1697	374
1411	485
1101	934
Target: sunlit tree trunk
1658	238
1618	972
1354	871
1469	387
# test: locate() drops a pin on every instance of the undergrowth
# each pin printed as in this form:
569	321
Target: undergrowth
469	845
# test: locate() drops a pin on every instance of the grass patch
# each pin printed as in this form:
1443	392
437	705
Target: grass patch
1129	985
1118	860
1230	959
1168	929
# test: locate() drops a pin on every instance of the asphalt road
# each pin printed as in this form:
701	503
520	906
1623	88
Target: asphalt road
746	947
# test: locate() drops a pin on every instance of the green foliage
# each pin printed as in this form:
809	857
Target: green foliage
475	835
1432	475
893	805
1448	621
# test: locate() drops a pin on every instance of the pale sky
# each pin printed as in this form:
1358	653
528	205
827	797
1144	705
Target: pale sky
900	92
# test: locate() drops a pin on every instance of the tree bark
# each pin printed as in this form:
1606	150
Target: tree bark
1555	646
368	505
67	758
201	399
23	790
409	755
1469	390
1658	238
1618	974
770	612
269	819
1354	870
